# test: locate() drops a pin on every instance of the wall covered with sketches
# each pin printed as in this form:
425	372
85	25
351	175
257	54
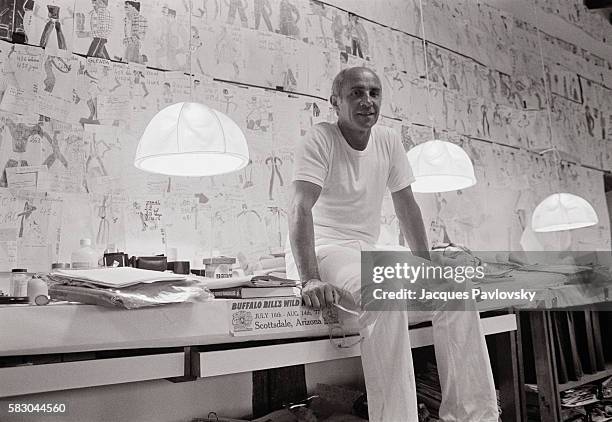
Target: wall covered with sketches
81	79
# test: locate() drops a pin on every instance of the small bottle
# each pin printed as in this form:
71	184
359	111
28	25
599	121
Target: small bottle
38	292
19	282
85	257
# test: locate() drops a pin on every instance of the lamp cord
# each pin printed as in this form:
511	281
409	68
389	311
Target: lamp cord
553	148
433	130
190	52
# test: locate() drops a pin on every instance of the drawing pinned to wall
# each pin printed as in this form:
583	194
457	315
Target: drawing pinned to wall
318	24
206	11
8	230
21	20
264	59
262	15
229	54
204	50
135	29
56	99
339	20
421	104
524	36
145	233
20	72
254	179
564	83
146	92
108	221
104	157
166	44
235	12
21	143
288	19
356	34
595	103
37	222
457	78
276	181
276	228
7	11
313	112
290	66
50	25
97	28
481	112
323	66
259	115
396	91
63	155
439	107
250	220
193	63
101	95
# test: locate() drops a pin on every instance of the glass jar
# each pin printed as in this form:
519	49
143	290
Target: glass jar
19	282
85	257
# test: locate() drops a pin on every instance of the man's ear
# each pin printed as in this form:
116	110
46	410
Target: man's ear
333	99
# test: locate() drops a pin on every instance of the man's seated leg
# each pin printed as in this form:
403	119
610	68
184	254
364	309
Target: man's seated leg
385	350
464	368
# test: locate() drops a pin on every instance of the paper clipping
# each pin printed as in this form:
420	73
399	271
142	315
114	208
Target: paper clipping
273	315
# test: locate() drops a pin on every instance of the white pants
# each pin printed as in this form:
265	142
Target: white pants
468	391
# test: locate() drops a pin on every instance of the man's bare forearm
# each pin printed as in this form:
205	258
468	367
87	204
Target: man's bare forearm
301	236
417	237
413	229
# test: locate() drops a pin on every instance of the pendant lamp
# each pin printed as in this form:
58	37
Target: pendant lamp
438	166
563	211
191	139
559	211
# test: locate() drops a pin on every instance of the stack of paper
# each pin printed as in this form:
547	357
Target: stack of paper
115	277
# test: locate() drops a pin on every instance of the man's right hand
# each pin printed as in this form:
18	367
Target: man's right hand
318	294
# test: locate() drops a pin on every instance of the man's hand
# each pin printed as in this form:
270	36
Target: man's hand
318	294
453	256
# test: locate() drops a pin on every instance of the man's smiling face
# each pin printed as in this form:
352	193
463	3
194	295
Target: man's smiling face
358	102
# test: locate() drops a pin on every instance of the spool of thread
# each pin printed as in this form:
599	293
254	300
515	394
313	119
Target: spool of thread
38	292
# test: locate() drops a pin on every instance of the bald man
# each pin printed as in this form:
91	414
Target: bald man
341	173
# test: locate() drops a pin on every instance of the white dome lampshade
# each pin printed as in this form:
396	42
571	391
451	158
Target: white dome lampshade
191	139
440	166
563	211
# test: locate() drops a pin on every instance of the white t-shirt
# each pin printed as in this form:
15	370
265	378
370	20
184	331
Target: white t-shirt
353	182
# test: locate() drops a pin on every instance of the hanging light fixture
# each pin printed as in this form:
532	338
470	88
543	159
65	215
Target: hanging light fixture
559	211
191	139
438	166
563	211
